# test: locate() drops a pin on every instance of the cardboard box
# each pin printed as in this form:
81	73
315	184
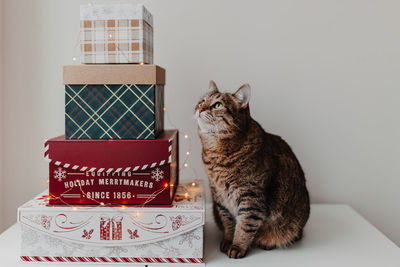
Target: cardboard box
117	172
114	235
114	101
116	33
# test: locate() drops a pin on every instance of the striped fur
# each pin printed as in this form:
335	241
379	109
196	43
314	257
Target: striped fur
257	184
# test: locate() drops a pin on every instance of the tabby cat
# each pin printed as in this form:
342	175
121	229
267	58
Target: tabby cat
258	187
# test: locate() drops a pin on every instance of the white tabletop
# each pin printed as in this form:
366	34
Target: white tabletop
335	235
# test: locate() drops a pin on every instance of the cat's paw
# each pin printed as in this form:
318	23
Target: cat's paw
225	245
236	252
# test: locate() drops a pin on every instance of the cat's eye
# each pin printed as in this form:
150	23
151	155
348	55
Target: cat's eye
217	105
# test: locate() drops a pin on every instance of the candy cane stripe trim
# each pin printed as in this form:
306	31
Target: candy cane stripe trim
81	259
126	259
92	169
92	259
48	259
114	259
47	159
103	259
110	259
37	258
59	259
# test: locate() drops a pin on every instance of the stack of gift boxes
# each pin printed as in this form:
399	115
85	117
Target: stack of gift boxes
113	176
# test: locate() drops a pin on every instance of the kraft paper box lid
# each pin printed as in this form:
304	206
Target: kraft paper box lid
113	74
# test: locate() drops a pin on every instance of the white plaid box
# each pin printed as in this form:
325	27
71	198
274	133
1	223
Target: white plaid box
116	33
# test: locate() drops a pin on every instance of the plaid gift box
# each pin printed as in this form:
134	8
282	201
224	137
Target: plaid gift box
113	101
116	33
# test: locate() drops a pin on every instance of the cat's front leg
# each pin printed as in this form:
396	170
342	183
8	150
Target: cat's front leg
226	222
251	215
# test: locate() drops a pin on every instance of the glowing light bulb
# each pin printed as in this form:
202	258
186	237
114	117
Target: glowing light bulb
188	153
74	209
171	185
74	59
102	203
141	63
166	185
186	136
185	165
193	184
164	109
123	207
186	195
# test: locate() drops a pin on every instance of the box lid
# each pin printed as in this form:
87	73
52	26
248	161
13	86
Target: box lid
114	226
110	155
115	11
113	74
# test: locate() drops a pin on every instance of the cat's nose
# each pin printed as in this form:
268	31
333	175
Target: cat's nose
201	108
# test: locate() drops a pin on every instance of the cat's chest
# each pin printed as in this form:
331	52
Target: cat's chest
226	197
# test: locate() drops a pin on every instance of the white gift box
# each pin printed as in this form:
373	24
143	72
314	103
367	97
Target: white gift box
116	33
134	235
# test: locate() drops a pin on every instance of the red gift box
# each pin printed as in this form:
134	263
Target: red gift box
110	171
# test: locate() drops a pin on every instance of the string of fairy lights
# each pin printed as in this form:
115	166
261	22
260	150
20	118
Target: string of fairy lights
185	164
194	184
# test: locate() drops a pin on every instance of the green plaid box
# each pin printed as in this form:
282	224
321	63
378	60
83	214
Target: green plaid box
113	102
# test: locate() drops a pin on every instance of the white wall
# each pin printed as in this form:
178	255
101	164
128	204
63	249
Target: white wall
325	76
1	116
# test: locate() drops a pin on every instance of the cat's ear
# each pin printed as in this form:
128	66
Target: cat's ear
243	95
213	86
